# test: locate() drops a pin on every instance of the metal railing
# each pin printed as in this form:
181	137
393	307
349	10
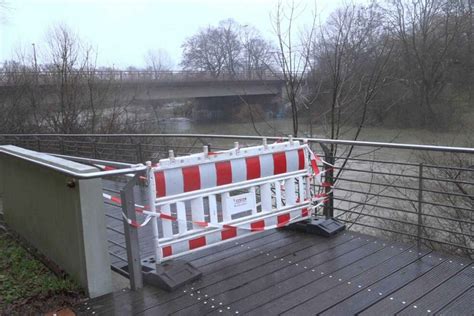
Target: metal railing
410	192
47	77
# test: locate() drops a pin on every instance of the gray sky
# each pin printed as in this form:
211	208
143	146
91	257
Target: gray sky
122	31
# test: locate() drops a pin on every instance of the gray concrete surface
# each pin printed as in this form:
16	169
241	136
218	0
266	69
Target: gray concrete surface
66	223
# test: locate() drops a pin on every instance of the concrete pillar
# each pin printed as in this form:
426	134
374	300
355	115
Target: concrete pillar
60	216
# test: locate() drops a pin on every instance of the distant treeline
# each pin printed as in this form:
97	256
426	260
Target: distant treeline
401	63
406	63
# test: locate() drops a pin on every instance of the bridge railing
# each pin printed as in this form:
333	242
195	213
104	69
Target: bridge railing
411	192
45	77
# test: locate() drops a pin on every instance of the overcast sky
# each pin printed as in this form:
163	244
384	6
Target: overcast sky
123	31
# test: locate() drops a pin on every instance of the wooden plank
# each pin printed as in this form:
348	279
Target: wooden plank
247	252
462	305
263	265
383	288
325	300
249	240
444	294
281	238
325	283
242	246
266	289
214	276
414	290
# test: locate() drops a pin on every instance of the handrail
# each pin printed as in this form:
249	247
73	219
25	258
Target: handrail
79	175
249	137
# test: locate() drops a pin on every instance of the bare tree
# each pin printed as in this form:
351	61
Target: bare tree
293	54
352	57
232	47
63	93
204	52
258	56
158	61
426	31
227	49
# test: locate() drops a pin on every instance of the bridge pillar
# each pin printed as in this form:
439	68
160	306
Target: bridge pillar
237	108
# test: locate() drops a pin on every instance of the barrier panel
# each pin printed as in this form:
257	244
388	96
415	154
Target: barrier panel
208	198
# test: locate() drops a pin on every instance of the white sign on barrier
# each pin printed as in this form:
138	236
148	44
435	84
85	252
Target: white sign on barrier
240	203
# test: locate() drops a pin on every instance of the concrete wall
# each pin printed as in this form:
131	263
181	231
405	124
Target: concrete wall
67	224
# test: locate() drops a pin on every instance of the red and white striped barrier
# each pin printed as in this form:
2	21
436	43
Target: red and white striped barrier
221	169
204	199
221	196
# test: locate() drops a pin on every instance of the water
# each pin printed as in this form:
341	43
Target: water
283	127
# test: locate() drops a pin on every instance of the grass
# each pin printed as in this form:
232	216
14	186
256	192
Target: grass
25	282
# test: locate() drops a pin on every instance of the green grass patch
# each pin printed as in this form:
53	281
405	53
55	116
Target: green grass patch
23	278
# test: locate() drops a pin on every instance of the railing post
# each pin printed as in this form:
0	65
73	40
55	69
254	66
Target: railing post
328	189
61	144
38	144
329	180
131	235
420	204
94	148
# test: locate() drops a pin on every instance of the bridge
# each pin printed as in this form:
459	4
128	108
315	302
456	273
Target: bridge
215	95
159	85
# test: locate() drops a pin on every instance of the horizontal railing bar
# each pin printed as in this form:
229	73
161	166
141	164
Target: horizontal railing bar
370	204
120	271
407	234
375	184
424	214
111	190
407	176
404	199
118	257
250	137
116	244
380	172
112	216
89	175
404	187
410	223
115	230
93	161
376	205
404	163
379	161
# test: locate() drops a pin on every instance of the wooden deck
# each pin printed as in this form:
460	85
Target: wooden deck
291	273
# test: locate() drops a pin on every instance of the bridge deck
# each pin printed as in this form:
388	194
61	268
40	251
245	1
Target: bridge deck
291	273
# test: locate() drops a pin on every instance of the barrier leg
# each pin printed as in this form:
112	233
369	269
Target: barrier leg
151	202
131	235
168	276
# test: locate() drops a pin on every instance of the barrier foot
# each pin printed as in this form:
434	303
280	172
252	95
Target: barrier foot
323	227
169	275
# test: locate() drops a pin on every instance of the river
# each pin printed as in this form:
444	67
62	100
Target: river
281	127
